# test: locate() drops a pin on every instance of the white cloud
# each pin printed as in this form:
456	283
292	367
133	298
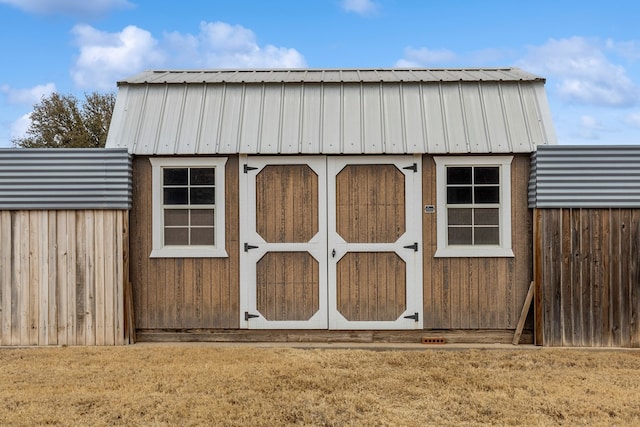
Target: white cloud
221	45
582	71
425	57
590	128
590	122
28	96
626	49
361	7
70	7
633	120
106	57
19	127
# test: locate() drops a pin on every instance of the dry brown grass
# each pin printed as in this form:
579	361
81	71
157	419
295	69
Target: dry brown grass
199	385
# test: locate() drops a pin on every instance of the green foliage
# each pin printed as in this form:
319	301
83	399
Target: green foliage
60	121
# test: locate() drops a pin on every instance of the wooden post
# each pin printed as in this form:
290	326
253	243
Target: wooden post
523	315
537	278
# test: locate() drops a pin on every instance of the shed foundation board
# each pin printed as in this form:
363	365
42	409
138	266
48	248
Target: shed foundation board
489	336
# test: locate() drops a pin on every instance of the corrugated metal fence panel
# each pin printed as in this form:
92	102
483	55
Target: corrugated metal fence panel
364	115
585	177
65	179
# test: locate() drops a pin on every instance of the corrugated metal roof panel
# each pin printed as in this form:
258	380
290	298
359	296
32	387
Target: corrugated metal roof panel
330	75
65	179
585	177
332	112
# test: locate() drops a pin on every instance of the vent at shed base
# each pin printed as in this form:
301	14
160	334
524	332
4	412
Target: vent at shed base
429	340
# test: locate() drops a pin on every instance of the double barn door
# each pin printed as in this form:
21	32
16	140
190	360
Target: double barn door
330	242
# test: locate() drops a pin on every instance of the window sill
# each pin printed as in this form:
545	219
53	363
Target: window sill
189	252
473	252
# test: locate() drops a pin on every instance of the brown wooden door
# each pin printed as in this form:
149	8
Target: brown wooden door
283	232
375	268
331	242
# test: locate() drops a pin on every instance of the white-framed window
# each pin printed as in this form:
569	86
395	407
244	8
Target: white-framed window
473	206
188	207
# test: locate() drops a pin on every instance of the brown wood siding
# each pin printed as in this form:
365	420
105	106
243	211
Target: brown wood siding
371	286
288	286
370	203
477	293
62	277
588	276
287	203
172	293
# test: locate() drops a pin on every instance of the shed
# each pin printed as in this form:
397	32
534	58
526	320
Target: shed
64	246
586	202
331	204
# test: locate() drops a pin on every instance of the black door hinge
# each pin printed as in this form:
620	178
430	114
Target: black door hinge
414	316
414	247
413	167
248	246
248	168
248	316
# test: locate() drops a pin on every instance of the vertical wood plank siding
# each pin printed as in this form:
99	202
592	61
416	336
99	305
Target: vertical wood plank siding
62	277
183	293
588	275
478	293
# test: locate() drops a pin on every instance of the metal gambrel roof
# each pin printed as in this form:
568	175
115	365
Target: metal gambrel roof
585	176
330	75
374	111
61	178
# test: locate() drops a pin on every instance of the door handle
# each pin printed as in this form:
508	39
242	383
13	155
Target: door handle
333	253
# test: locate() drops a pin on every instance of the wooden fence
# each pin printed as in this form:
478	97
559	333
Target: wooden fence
587	275
63	276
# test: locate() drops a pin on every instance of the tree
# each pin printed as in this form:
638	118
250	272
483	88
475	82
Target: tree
59	121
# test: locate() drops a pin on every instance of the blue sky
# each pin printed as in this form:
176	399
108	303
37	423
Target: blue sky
588	50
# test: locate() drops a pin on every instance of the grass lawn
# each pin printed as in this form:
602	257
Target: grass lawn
167	385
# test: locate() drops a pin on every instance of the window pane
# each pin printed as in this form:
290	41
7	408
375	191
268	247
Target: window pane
174	176
173	217
176	236
458	175
202	236
459	216
459	195
460	235
201	217
487	194
202	196
487	175
487	236
175	196
202	176
487	217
